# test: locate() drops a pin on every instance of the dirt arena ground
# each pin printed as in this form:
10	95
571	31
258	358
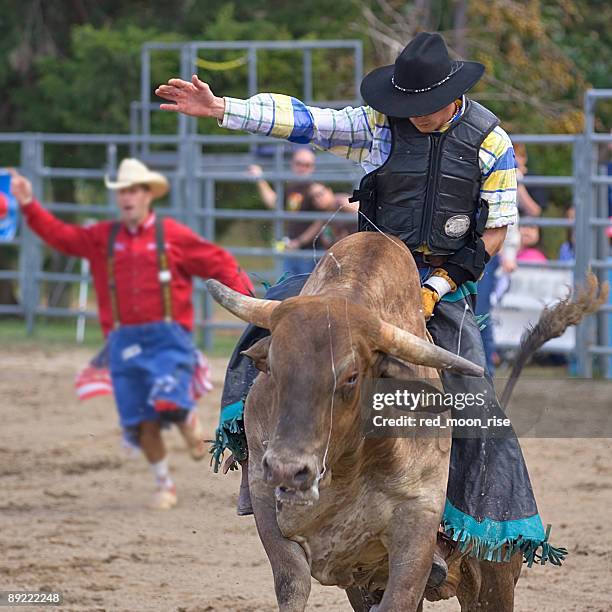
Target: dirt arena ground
72	514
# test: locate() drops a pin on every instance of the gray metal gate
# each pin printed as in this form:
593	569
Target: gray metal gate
591	200
196	173
142	110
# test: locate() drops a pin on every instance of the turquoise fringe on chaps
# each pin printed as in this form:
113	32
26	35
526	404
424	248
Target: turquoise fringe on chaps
490	511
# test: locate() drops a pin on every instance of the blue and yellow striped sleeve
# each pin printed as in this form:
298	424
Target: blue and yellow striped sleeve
498	188
347	133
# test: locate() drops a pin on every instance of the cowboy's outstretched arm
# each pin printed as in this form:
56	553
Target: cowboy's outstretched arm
346	132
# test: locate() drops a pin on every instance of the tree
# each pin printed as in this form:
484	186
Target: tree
534	79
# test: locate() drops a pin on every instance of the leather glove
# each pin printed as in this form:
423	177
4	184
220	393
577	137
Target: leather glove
437	285
429	299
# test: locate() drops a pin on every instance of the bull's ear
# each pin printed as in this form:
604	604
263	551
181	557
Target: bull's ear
258	353
390	367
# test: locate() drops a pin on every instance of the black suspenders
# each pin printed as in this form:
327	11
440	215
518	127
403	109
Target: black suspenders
164	274
110	269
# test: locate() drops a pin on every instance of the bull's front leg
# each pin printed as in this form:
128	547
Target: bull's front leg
411	543
288	560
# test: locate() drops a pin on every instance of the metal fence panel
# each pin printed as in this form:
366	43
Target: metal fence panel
196	175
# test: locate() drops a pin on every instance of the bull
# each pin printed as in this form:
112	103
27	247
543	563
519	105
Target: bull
358	512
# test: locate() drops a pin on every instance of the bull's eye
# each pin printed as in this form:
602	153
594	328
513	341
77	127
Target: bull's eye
348	388
352	379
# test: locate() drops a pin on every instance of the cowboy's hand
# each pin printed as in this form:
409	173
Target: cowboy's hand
21	188
193	98
434	288
429	299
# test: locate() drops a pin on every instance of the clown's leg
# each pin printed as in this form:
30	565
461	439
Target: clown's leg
193	434
153	447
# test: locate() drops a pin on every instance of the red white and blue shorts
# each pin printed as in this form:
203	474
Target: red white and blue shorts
152	367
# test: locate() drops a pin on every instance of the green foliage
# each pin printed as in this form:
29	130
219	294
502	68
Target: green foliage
75	66
91	90
83	67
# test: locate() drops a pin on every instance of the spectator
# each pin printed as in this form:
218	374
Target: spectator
530	245
491	287
495	280
486	289
299	234
567	251
510	249
324	199
526	204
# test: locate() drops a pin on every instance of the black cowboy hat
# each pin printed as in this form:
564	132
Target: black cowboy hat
423	79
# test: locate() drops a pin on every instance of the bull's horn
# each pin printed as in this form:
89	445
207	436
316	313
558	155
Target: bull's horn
249	309
411	348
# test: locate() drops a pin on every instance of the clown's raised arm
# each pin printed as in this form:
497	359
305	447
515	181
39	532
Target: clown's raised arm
347	132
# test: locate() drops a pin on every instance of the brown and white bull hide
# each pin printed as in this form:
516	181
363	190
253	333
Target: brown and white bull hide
361	513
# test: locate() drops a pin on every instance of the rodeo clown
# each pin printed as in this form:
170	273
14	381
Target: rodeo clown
440	175
142	268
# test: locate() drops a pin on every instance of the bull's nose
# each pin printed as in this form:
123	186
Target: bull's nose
293	473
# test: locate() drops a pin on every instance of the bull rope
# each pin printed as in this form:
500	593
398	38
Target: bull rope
331	416
331	218
348	324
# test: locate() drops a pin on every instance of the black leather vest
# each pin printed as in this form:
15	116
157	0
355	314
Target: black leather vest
428	190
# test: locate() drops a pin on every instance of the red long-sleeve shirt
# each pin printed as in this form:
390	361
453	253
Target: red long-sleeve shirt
139	294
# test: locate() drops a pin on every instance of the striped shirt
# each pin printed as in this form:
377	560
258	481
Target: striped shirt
363	135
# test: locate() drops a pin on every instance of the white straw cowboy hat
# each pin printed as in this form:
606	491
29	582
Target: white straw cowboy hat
133	172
